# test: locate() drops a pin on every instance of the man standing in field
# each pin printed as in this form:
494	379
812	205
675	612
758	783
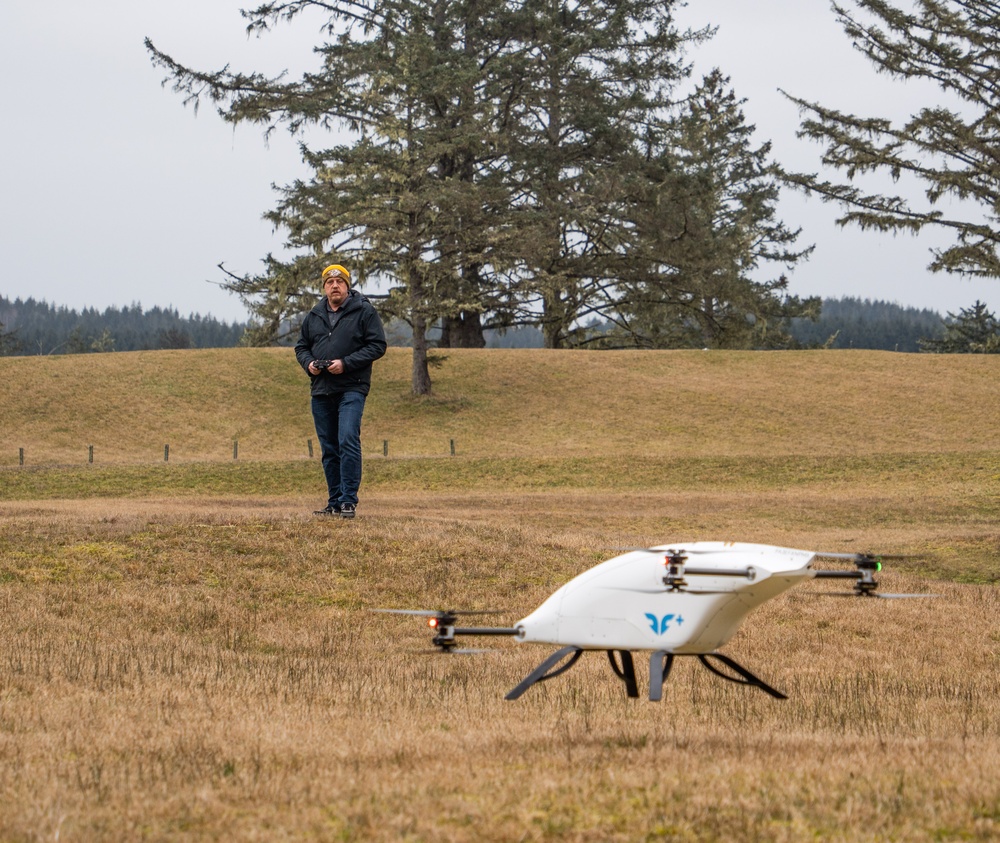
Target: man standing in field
340	339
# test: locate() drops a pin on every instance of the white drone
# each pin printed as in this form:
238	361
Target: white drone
652	600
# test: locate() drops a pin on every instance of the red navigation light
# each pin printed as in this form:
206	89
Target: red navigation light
432	622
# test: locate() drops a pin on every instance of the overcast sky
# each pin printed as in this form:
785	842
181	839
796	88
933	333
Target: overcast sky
113	193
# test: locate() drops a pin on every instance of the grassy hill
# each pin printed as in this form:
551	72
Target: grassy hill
186	653
505	403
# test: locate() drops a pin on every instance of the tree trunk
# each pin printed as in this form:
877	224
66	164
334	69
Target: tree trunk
462	331
551	335
421	381
553	316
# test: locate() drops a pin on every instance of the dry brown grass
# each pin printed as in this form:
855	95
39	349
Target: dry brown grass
206	668
186	655
495	403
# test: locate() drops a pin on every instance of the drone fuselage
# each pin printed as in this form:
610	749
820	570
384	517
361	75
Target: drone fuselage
629	602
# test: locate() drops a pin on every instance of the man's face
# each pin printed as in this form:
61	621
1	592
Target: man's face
336	289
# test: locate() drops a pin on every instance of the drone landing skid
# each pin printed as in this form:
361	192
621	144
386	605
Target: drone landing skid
660	664
659	669
745	676
626	672
544	670
551	668
661	661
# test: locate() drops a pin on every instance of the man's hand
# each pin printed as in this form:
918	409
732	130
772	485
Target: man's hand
334	367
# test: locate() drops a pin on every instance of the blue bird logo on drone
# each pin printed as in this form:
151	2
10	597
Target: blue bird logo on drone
661	625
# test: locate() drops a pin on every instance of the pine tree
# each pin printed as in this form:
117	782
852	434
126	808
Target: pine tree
103	342
952	151
9	343
415	82
595	77
498	168
708	232
974	331
488	136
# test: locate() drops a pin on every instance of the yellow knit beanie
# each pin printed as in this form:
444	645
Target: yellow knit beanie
337	269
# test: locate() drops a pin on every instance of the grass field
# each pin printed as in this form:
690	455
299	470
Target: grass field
527	403
186	654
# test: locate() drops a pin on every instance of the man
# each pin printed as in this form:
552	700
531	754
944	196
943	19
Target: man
340	339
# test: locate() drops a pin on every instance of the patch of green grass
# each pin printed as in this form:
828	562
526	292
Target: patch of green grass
930	472
183	479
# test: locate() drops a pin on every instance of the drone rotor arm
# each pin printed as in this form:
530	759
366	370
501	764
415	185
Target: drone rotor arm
486	630
868	564
442	622
838	575
749	573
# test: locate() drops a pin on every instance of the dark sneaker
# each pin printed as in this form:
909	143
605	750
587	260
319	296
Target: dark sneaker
347	510
331	509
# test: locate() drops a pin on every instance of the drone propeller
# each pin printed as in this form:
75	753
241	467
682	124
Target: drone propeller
436	613
866	566
904	596
453	651
863	559
859	593
694	551
686	589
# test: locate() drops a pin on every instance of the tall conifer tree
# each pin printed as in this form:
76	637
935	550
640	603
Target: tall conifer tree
595	75
975	330
714	253
411	81
496	163
950	150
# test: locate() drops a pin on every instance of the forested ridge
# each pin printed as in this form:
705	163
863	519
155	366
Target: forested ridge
862	323
31	327
841	323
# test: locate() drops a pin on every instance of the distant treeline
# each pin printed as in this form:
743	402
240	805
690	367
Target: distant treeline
398	334
843	323
861	323
30	327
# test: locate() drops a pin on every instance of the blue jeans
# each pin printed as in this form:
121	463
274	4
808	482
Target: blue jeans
338	427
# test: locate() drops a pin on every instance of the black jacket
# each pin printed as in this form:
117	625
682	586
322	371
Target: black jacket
356	337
